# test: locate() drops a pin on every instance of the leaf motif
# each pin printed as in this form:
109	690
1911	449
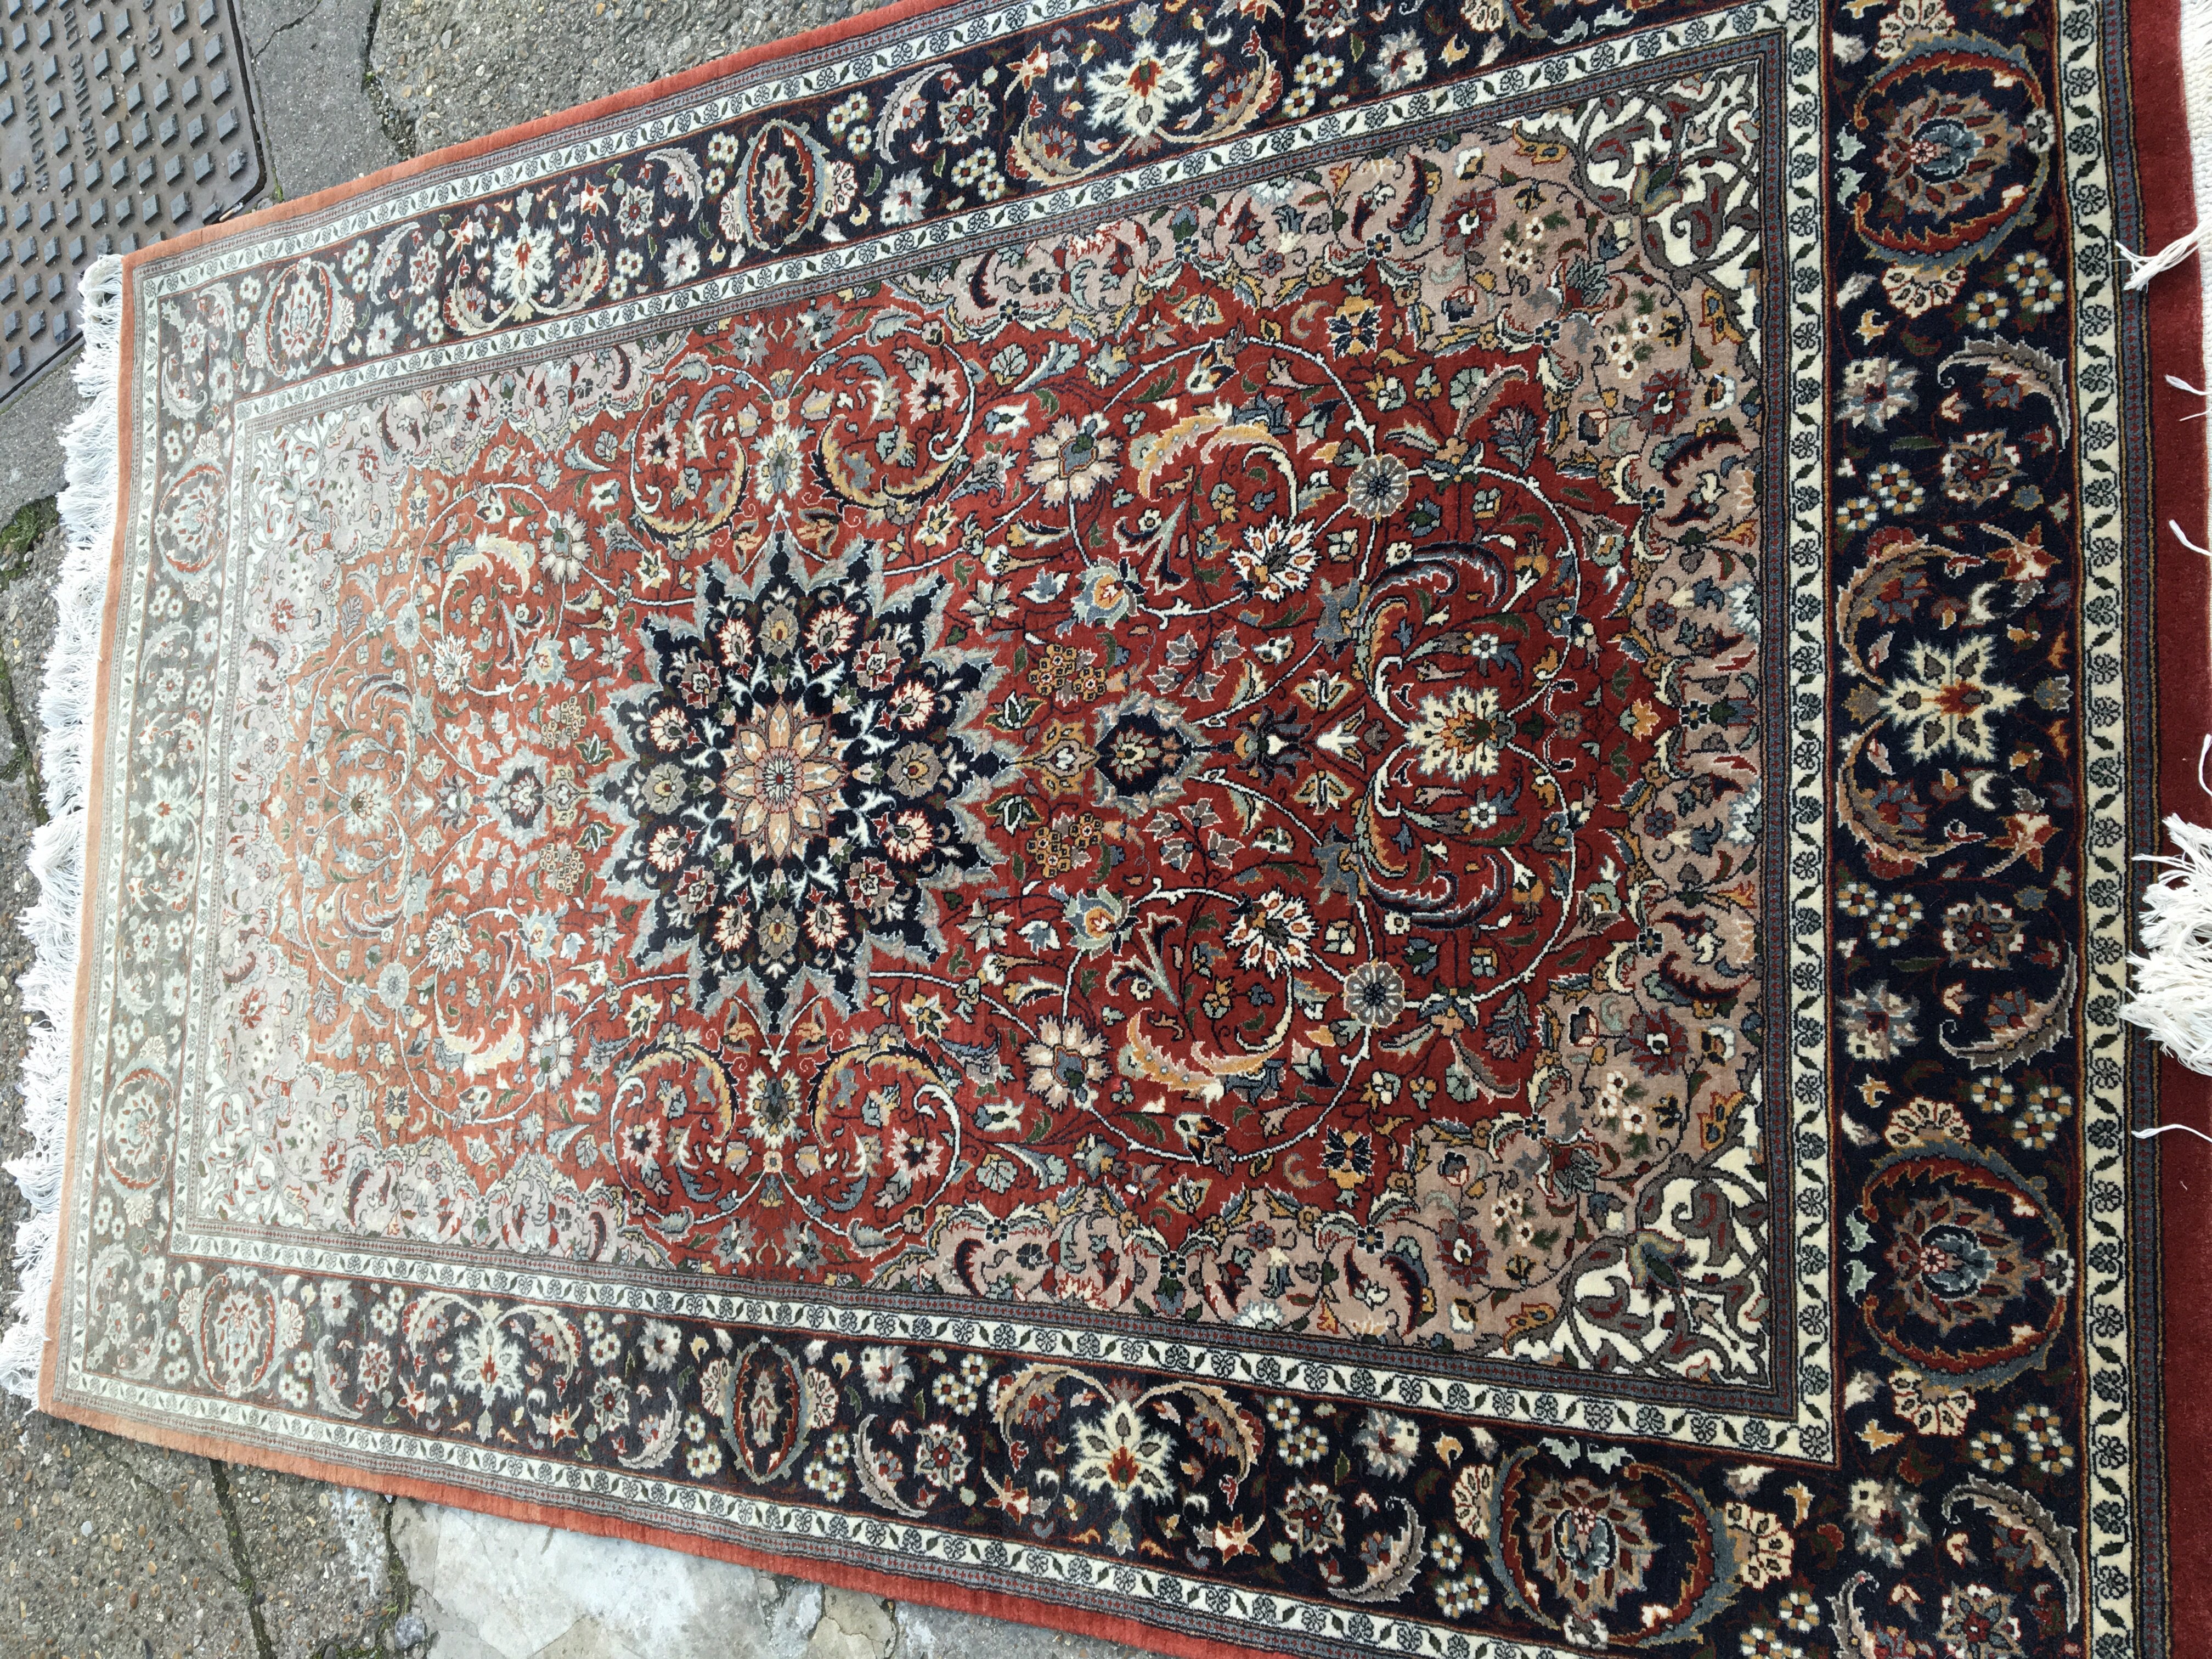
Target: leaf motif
2052	1544
1201	432
1854	605
880	1492
1142	1058
660	1439
1214	1414
2042	1027
1471	1494
1014	1394
689	181
2040	373
1894	848
1393	1571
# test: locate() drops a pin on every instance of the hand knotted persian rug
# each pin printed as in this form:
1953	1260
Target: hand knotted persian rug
1273	827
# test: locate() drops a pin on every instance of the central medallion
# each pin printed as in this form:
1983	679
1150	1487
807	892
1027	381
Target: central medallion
798	768
784	780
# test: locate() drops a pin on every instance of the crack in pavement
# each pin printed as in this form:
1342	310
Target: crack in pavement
96	1449
400	127
25	764
246	1587
399	1597
253	54
19	539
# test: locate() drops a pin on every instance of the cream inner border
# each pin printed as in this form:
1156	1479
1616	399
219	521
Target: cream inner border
1549	1400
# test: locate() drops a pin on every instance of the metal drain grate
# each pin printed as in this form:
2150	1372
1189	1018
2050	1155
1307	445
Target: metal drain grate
120	123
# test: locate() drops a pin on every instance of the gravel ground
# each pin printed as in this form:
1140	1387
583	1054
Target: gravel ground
454	71
113	1550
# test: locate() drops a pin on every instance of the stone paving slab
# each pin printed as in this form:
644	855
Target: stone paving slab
113	1550
31	425
454	70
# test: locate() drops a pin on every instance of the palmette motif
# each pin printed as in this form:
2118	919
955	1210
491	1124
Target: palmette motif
1151	863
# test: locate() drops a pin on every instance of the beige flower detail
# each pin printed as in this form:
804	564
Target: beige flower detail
1764	1547
1461	735
1072	458
1945	698
1122	1457
1066	1061
783	781
1932	1407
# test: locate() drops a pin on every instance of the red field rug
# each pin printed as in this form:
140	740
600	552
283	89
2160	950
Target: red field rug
1276	828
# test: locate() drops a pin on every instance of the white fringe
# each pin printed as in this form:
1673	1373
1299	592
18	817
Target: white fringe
2141	267
90	450
2169	1128
2180	385
2173	994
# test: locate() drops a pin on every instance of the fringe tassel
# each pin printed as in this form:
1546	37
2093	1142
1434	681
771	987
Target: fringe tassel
89	449
2141	267
2167	1129
2172	995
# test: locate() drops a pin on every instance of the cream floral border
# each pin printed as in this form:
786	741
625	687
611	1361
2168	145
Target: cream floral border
2106	476
1540	1401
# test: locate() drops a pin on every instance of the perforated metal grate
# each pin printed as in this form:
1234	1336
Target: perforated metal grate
120	123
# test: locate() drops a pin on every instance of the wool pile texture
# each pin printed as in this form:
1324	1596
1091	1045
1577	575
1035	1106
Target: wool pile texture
1272	826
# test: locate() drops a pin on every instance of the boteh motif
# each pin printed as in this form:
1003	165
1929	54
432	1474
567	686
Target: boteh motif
1950	143
770	1409
1584	1551
1303	826
781	196
1978	1278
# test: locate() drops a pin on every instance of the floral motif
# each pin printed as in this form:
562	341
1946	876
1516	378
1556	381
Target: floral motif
792	796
